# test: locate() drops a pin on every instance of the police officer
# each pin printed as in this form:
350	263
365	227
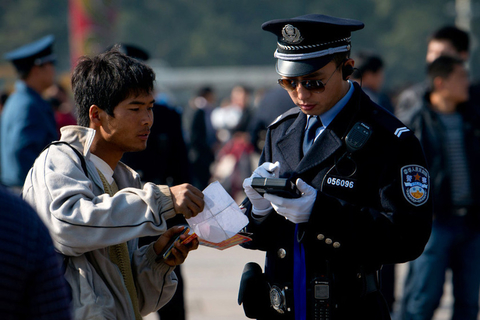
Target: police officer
28	121
362	177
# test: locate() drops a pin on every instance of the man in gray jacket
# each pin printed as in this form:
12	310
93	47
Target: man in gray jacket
96	207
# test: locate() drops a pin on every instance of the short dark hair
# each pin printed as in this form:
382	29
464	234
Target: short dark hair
340	57
106	80
366	61
442	67
204	91
457	37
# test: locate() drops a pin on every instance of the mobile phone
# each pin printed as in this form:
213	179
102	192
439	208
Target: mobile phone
281	187
170	245
321	299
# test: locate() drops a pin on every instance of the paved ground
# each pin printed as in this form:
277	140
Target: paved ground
212	278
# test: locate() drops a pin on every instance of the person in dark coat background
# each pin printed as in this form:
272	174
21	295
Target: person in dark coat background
203	142
362	177
448	126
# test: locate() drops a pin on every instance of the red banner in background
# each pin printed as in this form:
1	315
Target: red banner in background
92	26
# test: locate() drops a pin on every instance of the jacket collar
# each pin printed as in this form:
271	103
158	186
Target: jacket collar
79	137
82	138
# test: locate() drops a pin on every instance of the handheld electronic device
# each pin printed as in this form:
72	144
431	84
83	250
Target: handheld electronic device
168	248
281	187
321	299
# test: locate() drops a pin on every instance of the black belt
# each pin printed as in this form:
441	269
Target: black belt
281	296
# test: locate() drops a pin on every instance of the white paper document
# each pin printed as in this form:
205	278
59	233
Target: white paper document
221	218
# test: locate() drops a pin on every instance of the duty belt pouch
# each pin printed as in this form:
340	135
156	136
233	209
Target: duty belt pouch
254	291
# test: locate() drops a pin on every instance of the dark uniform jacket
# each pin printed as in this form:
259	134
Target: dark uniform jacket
366	212
430	131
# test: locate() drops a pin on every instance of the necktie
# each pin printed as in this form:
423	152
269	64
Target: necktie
314	123
299	279
119	255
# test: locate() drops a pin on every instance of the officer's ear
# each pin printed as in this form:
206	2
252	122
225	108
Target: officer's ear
347	68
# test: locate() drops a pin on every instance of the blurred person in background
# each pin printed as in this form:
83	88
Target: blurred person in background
235	115
28	121
32	285
446	41
233	162
164	161
370	74
274	102
58	97
448	126
203	143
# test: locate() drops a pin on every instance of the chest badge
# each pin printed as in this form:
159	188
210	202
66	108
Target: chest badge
415	184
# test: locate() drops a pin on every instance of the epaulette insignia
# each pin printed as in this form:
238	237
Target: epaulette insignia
392	124
400	131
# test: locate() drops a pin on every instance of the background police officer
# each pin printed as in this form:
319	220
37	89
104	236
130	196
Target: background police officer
28	121
362	176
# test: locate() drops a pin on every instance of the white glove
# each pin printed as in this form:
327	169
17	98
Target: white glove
297	210
261	206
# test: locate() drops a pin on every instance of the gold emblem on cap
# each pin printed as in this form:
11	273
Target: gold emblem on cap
291	34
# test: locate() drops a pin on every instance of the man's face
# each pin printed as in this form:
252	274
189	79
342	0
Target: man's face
46	74
455	87
437	48
317	103
128	130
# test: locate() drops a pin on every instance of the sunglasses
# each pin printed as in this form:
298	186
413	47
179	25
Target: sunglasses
311	85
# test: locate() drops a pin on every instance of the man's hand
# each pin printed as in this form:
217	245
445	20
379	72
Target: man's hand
187	200
179	251
261	206
296	210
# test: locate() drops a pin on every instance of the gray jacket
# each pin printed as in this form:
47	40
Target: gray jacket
84	221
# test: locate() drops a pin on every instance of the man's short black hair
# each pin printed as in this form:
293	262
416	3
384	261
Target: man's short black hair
340	57
367	62
204	91
457	37
442	67
106	80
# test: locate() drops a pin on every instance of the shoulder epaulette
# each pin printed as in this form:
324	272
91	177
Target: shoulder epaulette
391	123
292	112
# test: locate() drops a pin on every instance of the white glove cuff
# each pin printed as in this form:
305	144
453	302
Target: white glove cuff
263	212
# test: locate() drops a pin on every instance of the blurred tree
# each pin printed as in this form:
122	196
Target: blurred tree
221	33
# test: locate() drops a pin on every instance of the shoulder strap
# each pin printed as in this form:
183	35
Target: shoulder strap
66	258
80	156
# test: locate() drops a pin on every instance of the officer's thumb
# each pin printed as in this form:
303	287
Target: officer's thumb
304	187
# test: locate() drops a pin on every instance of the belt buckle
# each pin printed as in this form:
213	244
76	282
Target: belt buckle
277	299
